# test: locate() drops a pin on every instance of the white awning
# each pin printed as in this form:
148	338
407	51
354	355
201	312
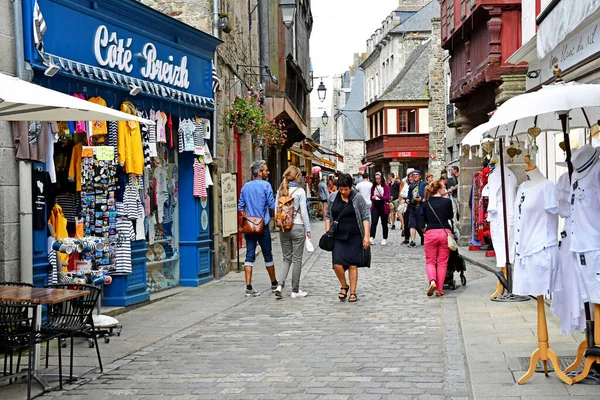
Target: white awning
25	101
564	18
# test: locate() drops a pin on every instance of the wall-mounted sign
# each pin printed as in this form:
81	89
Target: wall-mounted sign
106	41
229	204
404	154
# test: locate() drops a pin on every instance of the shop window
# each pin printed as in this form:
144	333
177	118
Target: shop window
407	121
162	221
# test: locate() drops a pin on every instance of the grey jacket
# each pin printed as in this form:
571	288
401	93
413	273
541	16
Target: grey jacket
361	209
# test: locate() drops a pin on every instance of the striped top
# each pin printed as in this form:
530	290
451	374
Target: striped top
199	180
68	202
198	135
113	132
132	202
125	235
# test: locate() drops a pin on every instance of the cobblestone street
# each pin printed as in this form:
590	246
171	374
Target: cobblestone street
394	343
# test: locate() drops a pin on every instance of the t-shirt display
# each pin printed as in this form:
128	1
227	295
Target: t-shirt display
535	239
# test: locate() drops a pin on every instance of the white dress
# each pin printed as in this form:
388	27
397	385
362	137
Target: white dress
567	304
536	240
585	231
496	211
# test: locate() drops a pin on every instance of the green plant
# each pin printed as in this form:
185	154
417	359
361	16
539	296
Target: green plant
274	133
249	117
246	114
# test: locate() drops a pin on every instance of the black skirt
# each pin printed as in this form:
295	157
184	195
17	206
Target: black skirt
348	252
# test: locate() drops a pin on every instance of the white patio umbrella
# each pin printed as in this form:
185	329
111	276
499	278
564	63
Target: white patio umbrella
473	138
549	109
25	101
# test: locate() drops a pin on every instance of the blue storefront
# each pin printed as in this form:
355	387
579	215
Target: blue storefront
122	52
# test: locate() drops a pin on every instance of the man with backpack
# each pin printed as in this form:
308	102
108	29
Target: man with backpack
291	216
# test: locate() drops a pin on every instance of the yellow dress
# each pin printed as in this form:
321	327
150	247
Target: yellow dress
130	150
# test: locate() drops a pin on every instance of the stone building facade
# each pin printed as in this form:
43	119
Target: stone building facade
9	179
437	103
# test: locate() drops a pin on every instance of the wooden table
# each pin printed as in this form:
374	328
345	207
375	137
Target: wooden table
38	296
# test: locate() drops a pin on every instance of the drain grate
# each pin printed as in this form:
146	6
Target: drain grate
592	379
564	361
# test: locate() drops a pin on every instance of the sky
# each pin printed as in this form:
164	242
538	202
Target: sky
341	28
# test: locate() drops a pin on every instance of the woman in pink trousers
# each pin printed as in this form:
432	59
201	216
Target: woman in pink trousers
438	214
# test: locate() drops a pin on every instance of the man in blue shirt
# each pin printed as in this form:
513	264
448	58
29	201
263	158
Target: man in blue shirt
416	196
257	198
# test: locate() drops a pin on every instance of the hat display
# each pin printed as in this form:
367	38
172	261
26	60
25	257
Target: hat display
583	159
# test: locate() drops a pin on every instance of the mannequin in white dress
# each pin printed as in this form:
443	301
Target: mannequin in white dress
537	257
496	216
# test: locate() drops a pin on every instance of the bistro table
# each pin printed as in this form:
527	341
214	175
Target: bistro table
38	297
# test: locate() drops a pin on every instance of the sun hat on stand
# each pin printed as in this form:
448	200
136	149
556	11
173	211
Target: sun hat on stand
583	159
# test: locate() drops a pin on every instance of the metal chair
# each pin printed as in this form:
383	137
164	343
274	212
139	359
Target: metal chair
10	353
74	317
17	331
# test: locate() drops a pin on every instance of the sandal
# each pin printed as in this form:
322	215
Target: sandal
352	298
342	295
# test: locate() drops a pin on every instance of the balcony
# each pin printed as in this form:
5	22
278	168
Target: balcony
480	36
398	146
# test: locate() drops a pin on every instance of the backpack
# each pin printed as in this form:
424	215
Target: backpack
285	212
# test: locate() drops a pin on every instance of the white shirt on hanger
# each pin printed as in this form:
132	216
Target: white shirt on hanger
585	212
535	218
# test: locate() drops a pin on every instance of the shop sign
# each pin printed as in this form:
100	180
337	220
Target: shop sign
229	204
404	154
582	44
114	52
106	39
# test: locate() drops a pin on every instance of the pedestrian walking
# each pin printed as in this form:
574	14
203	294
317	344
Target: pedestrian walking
416	194
256	198
437	211
380	207
323	196
364	188
350	213
453	185
394	183
292	241
407	181
331	186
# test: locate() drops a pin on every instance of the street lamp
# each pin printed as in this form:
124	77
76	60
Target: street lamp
322	91
325	118
288	12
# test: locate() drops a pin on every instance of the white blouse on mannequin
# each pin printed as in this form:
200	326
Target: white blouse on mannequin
536	237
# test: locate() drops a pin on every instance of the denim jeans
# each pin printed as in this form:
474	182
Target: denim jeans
264	241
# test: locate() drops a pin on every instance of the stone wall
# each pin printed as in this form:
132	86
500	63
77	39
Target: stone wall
354	151
9	179
437	103
196	13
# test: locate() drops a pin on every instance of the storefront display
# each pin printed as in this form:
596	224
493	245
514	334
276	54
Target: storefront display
117	184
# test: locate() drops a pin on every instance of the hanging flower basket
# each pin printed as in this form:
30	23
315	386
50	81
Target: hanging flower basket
247	114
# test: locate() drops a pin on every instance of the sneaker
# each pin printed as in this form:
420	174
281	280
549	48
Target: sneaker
404	242
274	288
393	226
412	244
383	242
299	294
278	292
432	287
252	293
372	241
